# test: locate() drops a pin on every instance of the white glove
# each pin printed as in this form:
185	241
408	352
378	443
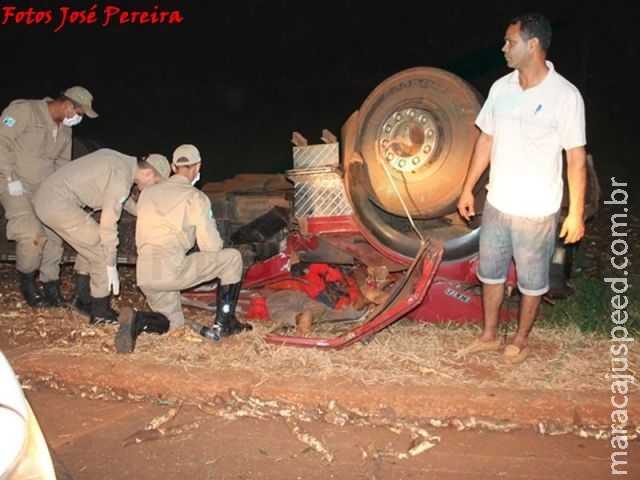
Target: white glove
15	188
113	282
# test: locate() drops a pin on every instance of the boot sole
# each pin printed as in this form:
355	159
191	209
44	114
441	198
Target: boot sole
124	337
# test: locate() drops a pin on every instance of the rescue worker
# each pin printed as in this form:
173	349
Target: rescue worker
101	181
173	217
35	140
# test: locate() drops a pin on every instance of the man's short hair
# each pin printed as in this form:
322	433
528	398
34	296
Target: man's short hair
534	25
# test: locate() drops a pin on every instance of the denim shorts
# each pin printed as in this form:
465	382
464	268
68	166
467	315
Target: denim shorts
530	241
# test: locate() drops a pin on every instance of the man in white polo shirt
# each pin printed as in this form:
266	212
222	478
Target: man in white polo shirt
530	116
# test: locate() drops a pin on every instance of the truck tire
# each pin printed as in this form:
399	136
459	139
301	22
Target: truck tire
417	128
395	237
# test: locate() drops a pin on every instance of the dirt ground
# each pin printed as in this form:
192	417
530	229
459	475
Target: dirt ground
99	439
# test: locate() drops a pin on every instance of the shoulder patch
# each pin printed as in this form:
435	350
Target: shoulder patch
9	121
210	214
123	199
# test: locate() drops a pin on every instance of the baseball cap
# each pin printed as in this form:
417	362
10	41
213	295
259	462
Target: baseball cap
82	97
186	155
160	164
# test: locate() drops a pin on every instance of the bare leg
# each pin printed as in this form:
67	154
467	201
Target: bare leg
492	297
526	318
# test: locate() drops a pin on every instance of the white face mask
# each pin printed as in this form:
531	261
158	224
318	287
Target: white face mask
73	121
196	179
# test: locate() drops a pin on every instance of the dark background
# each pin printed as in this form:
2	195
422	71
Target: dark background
237	78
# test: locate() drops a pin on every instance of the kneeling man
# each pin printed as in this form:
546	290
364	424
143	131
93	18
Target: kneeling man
173	217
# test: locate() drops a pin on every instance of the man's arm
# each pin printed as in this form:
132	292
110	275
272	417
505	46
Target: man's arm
207	235
13	123
114	198
479	163
131	206
573	226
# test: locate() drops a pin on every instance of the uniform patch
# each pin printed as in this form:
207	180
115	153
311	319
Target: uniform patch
123	199
9	121
210	214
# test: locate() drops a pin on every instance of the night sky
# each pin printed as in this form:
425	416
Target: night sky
237	79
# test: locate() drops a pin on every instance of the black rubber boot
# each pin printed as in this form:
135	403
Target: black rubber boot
81	298
133	323
226	301
52	296
101	311
29	288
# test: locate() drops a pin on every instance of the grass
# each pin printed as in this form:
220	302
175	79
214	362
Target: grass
405	354
589	308
565	356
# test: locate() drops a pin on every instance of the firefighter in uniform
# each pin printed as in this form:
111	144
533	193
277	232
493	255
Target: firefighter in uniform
173	217
35	140
101	181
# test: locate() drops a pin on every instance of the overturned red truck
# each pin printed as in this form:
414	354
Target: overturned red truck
381	201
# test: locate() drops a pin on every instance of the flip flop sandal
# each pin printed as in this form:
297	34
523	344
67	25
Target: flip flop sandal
479	346
513	354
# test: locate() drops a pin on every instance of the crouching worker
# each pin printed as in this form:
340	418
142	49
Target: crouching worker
173	217
101	181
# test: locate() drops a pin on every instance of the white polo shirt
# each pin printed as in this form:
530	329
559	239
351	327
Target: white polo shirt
530	128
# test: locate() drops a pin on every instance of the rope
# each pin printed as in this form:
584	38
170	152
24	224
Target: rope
404	206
